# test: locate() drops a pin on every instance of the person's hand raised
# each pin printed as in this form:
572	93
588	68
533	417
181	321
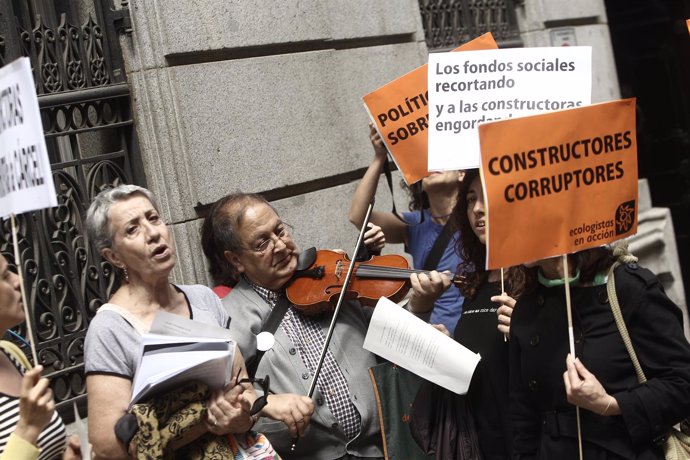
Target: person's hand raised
36	405
374	239
380	149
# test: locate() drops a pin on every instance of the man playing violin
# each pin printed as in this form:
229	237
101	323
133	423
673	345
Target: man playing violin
244	236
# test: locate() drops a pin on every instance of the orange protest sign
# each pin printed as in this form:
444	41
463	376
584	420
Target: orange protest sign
559	182
401	113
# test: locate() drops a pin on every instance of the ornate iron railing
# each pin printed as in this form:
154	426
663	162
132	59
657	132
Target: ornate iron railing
450	23
87	122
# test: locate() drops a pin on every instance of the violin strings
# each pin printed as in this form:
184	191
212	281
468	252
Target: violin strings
385	272
378	271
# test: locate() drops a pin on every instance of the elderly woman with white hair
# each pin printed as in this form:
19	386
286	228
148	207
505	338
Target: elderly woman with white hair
126	227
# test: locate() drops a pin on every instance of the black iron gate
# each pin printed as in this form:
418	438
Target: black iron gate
450	23
85	109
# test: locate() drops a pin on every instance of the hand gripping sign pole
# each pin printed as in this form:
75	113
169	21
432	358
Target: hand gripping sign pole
503	292
571	339
26	181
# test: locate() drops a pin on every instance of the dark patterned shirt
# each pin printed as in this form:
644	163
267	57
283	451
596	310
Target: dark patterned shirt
308	338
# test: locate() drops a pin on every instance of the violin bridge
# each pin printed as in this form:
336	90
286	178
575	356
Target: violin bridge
338	269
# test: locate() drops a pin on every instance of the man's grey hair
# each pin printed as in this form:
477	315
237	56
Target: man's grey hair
98	215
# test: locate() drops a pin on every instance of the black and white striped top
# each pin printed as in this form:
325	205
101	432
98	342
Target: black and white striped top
51	441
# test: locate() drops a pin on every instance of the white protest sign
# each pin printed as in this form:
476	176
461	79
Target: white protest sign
26	181
474	87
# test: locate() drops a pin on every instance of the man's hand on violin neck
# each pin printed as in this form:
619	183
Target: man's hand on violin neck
426	289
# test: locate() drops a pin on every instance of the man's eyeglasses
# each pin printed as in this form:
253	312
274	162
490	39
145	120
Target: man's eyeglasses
262	400
268	244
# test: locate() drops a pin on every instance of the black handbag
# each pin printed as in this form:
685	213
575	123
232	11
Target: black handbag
442	424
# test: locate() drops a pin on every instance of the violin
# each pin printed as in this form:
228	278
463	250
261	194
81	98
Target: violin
315	288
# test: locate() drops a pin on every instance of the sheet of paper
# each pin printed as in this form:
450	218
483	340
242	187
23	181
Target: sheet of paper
399	336
82	433
168	324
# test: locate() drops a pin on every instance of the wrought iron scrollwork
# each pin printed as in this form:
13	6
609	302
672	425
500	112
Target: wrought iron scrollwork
88	128
450	23
67	57
2	50
47	46
93	37
71	54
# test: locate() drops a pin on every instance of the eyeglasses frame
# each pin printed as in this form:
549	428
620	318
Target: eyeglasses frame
261	401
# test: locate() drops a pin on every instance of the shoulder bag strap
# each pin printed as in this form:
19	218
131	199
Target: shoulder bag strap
439	247
16	353
135	322
270	325
618	316
389	180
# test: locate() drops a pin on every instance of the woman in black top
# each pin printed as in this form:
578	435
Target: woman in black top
478	328
619	417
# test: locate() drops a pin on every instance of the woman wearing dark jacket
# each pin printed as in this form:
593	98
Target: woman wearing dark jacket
620	418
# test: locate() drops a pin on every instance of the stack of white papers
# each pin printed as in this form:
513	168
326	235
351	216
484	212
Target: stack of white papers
168	361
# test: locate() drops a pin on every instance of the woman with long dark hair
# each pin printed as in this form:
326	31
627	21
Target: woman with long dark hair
478	328
480	419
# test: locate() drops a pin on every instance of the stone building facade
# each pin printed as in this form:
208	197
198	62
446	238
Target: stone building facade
234	96
204	98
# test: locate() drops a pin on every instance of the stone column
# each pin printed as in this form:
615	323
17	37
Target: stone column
568	23
655	245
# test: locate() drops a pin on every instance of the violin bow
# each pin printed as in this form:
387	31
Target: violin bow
341	297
